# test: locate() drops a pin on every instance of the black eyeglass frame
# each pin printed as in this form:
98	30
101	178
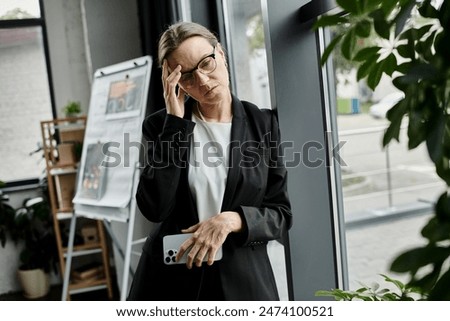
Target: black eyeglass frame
191	72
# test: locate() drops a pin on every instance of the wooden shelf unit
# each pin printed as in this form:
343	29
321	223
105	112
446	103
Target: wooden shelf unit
66	131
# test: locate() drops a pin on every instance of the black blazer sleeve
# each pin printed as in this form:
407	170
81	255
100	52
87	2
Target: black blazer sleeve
167	144
272	219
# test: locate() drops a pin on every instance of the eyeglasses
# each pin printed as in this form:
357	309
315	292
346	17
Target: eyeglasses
206	66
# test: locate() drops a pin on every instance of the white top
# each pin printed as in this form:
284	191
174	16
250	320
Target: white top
208	165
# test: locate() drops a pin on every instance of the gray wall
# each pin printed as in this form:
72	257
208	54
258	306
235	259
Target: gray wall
112	32
67	53
85	36
298	100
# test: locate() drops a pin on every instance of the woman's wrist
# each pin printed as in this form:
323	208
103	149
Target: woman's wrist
234	221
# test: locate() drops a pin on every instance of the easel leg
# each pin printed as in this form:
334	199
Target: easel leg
65	292
127	259
121	253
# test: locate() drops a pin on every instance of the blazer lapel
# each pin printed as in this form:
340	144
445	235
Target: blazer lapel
238	134
188	116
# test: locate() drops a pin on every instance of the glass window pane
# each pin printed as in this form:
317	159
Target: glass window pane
248	51
19	9
387	192
24	102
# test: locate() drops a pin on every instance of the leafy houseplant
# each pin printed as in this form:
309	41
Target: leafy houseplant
32	225
409	42
72	109
402	292
35	227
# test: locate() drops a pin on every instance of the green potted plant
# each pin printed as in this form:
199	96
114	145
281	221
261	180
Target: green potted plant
408	40
32	226
35	227
72	109
375	292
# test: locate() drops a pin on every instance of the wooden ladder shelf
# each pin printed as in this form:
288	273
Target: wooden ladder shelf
62	140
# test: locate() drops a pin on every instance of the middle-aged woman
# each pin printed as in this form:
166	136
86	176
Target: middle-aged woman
213	170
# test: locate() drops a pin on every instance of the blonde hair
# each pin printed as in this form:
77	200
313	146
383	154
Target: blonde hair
179	32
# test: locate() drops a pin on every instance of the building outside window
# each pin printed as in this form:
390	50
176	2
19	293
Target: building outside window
24	90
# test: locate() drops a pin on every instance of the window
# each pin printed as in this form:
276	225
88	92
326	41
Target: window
247	56
19	9
387	193
25	92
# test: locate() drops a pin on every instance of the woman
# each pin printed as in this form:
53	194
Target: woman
214	171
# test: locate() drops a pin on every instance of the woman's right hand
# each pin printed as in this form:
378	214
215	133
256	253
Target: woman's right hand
174	101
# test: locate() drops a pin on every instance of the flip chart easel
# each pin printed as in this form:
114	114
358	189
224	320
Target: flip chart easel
109	168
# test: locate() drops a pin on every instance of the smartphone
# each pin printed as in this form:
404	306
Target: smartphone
171	245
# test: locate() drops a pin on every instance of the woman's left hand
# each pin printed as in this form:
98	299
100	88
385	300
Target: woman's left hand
208	236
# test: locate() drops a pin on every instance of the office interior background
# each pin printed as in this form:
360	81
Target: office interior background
353	213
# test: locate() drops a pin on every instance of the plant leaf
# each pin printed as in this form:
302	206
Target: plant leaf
371	5
435	137
443	169
397	283
348	44
2	237
324	293
446	141
390	297
426	47
426	283
363	28
366	68
416	129
330	48
348	5
427	10
444	15
374	76
441	290
406	51
380	24
393	130
416	34
390	64
361	290
412	260
331	20
442	208
388	6
367	53
404	68
435	230
420	72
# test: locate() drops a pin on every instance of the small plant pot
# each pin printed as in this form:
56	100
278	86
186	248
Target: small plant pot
35	283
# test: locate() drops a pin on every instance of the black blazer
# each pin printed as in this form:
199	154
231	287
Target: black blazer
256	188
